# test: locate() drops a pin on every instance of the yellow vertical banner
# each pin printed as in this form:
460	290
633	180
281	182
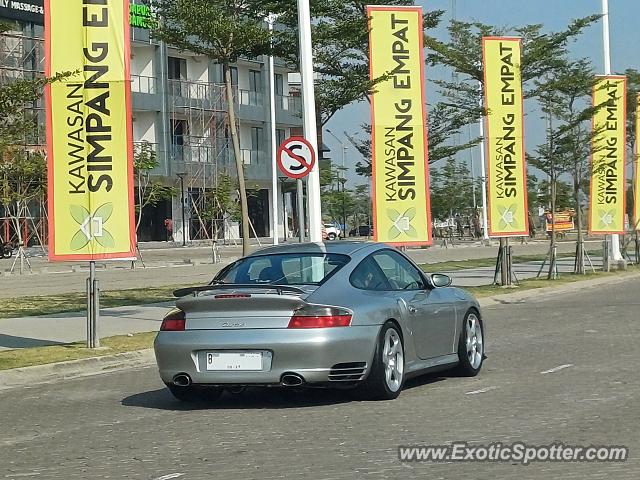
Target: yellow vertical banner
400	166
636	172
506	166
89	131
608	183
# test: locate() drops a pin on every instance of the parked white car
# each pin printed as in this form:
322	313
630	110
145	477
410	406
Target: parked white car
331	231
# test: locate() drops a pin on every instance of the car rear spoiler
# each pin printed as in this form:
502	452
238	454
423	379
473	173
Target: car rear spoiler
280	289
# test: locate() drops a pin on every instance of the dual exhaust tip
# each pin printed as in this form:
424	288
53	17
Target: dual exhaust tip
288	380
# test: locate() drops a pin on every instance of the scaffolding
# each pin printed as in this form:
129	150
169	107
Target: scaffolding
22	57
199	145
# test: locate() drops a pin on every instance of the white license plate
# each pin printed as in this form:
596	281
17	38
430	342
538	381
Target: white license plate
234	361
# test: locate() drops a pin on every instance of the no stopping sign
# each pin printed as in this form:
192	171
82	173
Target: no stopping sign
296	157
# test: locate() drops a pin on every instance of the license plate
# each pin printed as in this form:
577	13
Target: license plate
234	361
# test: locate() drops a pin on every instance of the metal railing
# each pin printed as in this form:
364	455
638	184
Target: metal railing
212	92
289	103
144	84
250	97
252	157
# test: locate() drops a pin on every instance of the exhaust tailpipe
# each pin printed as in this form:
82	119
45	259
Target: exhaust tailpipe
292	380
182	380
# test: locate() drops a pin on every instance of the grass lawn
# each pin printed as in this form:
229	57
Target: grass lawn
75	302
27	357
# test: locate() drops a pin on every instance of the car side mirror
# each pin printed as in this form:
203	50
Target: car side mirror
440	280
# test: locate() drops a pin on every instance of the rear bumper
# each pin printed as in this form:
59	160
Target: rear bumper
308	352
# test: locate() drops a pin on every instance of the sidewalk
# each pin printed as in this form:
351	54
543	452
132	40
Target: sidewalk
26	332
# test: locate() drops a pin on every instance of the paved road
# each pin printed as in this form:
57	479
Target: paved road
126	425
179	266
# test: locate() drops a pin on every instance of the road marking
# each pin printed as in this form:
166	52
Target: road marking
482	390
557	369
16	475
170	476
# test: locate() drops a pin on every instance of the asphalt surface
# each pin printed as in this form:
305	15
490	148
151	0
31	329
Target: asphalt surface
560	369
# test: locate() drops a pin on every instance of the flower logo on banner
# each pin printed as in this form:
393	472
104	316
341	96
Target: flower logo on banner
401	223
606	218
508	217
92	226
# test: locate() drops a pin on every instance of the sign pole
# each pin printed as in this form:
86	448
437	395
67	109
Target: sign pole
296	158
301	216
93	307
89	221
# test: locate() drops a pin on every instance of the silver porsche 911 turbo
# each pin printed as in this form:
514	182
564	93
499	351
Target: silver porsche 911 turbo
357	314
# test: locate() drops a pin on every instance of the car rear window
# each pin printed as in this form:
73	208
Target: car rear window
283	269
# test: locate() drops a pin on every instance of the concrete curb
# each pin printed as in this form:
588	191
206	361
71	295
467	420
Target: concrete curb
55	372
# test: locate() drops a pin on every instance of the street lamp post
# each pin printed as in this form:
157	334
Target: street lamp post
184	220
272	124
309	118
342	181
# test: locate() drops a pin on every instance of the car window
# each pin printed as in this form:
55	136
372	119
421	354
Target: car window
398	271
284	269
368	276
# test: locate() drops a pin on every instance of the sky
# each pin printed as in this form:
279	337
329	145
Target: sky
554	15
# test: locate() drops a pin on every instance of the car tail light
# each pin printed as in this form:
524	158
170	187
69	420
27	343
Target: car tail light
232	295
320	317
174	321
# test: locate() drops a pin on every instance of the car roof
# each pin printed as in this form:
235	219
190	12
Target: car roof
341	247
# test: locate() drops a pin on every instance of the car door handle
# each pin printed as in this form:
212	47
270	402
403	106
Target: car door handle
412	309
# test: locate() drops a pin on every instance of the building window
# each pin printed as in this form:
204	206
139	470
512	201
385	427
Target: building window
178	134
255	80
279	84
234	76
257	142
177	68
177	73
281	136
255	87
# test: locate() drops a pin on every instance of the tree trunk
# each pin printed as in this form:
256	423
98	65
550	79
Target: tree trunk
552	246
552	181
140	195
580	243
244	207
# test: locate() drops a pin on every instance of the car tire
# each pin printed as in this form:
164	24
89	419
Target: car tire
471	345
386	377
331	236
194	394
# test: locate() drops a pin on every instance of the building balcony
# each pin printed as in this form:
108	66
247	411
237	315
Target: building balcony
144	84
190	94
289	104
253	157
250	98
